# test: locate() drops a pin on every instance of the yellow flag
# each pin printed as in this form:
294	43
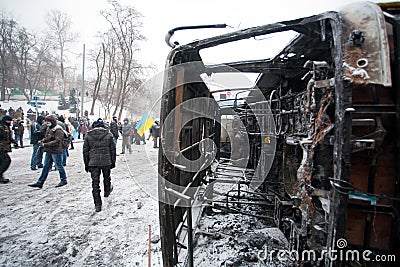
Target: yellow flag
145	126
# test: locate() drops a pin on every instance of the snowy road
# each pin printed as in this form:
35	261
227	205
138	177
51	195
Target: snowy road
59	227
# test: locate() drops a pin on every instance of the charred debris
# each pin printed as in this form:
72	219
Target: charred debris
307	157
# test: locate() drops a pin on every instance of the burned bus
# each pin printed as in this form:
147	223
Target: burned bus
288	159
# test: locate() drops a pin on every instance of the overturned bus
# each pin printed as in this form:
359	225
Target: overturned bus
300	163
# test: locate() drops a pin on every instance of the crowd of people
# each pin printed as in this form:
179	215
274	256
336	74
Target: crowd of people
52	135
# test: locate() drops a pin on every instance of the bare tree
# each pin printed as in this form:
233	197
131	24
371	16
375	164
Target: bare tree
44	71
111	74
39	61
16	49
24	62
60	36
22	58
7	35
125	23
108	74
100	65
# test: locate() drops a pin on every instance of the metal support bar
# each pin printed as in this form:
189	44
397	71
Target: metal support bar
171	32
187	200
375	109
245	202
194	145
190	236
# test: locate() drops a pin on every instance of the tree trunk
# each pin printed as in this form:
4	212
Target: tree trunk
99	78
3	88
23	90
121	109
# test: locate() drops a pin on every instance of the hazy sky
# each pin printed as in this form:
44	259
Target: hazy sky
161	16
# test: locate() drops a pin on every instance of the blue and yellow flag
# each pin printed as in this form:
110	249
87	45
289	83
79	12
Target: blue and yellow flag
144	124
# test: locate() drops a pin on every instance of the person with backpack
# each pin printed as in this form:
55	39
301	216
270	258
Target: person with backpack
99	155
53	146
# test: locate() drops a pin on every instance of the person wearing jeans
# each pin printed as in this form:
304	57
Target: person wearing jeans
61	122
64	156
38	132
53	147
49	158
37	157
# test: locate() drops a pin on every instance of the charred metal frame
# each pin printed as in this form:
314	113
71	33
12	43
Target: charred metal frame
347	116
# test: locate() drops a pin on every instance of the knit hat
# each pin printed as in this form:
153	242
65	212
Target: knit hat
40	119
61	118
6	118
51	119
98	123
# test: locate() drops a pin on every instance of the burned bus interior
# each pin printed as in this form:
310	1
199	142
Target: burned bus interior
303	157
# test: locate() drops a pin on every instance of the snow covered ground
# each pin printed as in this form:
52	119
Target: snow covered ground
59	227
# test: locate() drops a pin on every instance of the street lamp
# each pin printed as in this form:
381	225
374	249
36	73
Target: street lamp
83	80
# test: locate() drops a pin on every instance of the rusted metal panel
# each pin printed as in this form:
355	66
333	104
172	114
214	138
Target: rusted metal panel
381	231
355	227
366	56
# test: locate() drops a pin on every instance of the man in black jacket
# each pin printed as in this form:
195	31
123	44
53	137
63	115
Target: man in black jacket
99	155
114	129
38	132
5	146
18	129
155	132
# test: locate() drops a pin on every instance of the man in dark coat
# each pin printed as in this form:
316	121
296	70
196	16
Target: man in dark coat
5	146
38	132
11	112
99	155
126	132
114	129
61	122
19	129
155	132
53	147
3	112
